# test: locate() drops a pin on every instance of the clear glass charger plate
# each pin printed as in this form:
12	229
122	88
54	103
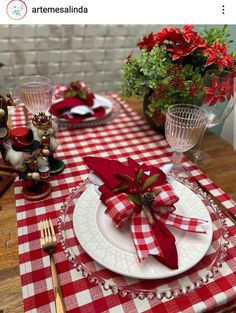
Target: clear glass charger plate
111	113
159	289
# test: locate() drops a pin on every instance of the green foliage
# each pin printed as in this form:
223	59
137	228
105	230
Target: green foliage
82	94
139	175
220	35
121	189
135	199
149	181
142	73
154	70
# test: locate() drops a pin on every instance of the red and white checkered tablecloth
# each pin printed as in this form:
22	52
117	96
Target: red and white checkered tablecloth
127	135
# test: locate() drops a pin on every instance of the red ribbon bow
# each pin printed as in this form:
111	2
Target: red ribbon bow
121	209
154	239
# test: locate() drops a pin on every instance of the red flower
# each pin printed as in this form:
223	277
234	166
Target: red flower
187	47
162	36
177	82
183	36
188	33
180	51
229	86
175	68
199	42
217	92
176	35
194	89
148	42
160	92
219	55
171	34
183	41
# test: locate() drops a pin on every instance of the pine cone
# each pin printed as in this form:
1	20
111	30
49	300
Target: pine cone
147	198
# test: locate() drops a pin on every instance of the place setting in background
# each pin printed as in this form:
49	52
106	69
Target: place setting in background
75	106
44	108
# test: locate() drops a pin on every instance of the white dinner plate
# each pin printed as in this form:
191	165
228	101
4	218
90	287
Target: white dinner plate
113	248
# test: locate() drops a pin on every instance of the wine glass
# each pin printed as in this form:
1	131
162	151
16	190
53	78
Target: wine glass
36	93
183	127
217	97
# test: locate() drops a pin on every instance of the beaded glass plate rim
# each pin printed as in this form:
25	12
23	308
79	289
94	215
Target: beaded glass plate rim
133	293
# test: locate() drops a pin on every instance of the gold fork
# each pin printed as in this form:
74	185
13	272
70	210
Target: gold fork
48	242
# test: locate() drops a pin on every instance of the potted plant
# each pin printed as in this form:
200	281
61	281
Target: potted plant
171	66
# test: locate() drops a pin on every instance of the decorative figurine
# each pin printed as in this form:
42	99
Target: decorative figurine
23	155
4	131
44	131
5	179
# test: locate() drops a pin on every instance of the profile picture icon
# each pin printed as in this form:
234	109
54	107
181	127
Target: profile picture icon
16	9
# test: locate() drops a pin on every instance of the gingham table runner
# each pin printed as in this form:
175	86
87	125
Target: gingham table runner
127	135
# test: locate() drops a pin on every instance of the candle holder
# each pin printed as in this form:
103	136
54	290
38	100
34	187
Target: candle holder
36	94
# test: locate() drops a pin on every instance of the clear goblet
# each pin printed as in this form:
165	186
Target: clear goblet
36	93
183	127
218	98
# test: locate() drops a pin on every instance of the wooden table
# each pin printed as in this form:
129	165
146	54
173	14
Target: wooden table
222	171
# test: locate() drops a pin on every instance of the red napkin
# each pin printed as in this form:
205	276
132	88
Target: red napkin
166	241
59	108
107	170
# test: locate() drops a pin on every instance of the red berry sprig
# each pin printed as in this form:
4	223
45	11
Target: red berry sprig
139	190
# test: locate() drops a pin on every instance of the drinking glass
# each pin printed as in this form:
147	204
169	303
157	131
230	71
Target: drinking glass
217	97
36	93
184	125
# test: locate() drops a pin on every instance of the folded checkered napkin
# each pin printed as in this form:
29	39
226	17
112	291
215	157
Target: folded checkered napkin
149	238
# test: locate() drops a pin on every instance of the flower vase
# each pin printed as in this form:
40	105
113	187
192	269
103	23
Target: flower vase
157	121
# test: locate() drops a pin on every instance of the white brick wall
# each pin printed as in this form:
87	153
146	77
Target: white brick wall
93	53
